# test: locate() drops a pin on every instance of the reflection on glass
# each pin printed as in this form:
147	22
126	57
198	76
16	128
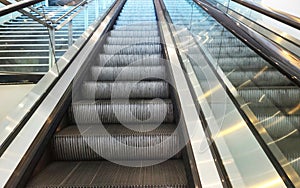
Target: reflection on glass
290	6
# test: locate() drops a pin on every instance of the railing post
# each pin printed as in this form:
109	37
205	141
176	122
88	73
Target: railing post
86	16
51	47
97	8
70	33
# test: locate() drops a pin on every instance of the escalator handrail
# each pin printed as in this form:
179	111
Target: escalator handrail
278	15
286	62
17	6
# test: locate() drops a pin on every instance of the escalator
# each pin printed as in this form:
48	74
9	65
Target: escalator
121	129
270	95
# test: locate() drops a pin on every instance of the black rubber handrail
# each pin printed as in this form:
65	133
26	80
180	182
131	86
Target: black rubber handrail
286	62
278	15
9	8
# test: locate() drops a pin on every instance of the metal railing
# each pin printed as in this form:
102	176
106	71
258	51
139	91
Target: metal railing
52	25
12	7
52	58
20	9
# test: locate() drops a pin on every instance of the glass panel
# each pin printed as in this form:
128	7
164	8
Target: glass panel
269	98
278	27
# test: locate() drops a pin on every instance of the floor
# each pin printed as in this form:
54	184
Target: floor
11	96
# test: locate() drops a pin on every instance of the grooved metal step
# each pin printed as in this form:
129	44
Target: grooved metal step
275	97
125	89
125	111
106	174
132	41
128	73
280	126
257	78
158	141
132	49
116	33
136	27
120	60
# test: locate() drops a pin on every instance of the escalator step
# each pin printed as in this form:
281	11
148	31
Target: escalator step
135	27
132	49
129	60
258	78
294	158
245	63
129	23
116	33
279	126
125	111
231	51
106	174
224	41
131	41
128	89
141	19
128	73
271	97
137	142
